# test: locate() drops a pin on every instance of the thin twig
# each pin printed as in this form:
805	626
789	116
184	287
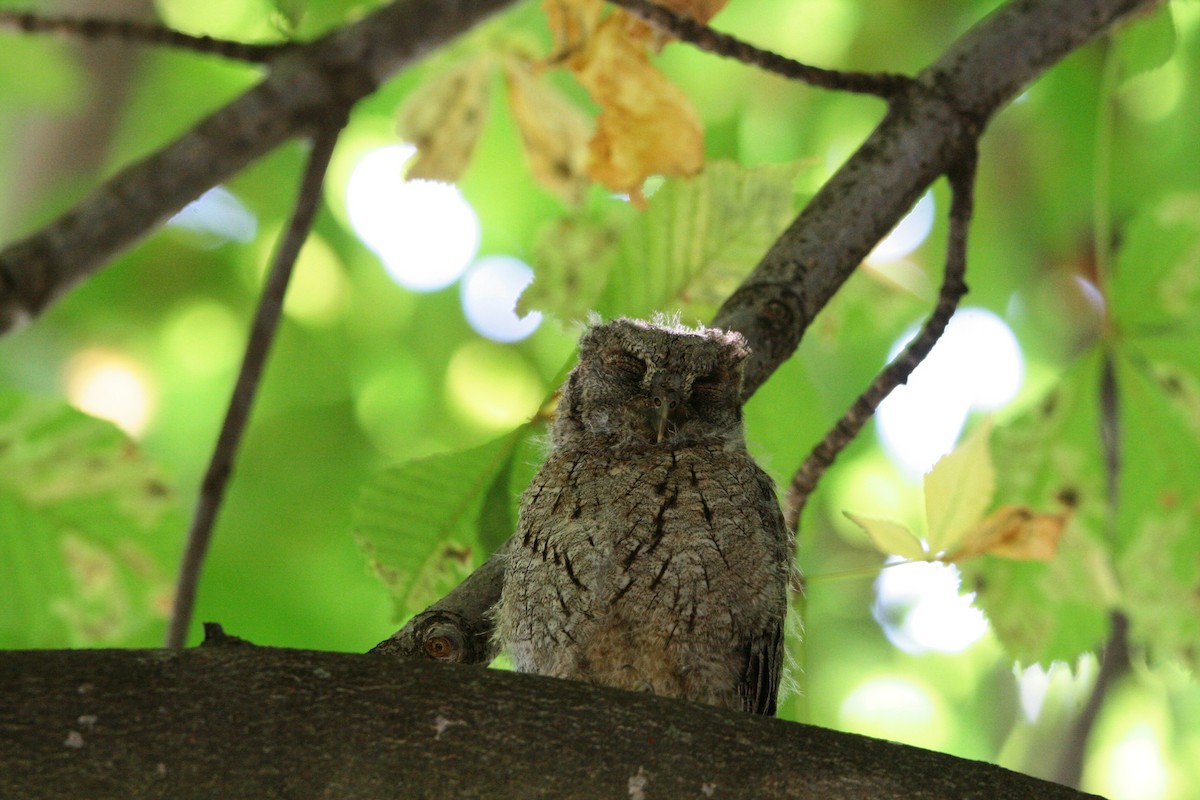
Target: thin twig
1114	663
128	30
881	84
962	184
262	333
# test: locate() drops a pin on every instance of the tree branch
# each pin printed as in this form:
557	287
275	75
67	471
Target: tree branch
234	720
882	84
333	72
925	132
137	32
930	127
962	185
258	345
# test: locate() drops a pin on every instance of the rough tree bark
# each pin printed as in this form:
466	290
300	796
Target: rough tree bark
247	721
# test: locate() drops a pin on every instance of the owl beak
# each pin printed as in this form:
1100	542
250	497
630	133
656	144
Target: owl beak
668	405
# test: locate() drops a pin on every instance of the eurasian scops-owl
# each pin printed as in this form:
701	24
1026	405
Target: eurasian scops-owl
651	553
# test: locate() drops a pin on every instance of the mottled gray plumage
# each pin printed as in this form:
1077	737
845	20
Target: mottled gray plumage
650	552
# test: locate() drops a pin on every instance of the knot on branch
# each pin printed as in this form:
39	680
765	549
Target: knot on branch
438	635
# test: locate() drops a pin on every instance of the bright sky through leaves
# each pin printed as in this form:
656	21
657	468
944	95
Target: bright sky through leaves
489	298
920	609
976	365
908	234
424	232
220	214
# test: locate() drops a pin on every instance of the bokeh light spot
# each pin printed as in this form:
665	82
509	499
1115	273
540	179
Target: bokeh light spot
977	364
489	297
203	337
1152	96
920	609
318	292
908	234
111	386
492	386
228	18
1136	768
425	233
894	707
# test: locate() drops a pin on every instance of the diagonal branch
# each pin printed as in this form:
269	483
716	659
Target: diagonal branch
258	345
926	130
333	72
930	127
135	31
882	84
962	184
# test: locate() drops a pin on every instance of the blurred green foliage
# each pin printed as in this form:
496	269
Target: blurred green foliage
1088	189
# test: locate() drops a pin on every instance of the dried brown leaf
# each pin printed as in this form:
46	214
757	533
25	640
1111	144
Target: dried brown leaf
444	118
1015	532
554	131
646	125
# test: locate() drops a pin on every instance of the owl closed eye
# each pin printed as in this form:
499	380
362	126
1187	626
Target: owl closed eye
641	384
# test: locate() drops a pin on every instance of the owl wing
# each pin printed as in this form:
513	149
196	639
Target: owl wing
763	667
759	687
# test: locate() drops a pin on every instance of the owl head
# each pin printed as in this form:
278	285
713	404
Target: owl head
643	384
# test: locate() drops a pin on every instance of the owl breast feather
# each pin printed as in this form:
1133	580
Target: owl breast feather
643	573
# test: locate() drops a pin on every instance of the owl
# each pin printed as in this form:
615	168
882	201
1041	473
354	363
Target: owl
650	552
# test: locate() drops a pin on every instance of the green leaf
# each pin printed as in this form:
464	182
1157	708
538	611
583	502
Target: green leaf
89	531
1156	282
572	259
1147	43
287	15
890	538
1159	520
698	239
1049	458
419	522
497	515
958	491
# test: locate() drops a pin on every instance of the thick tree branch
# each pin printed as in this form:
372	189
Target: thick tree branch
258	346
333	72
926	130
234	720
930	127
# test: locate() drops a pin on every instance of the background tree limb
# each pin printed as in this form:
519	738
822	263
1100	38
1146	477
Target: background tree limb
333	72
235	720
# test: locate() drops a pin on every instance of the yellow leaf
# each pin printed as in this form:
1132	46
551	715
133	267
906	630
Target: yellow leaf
554	131
1015	532
958	490
700	10
646	125
444	118
572	23
890	538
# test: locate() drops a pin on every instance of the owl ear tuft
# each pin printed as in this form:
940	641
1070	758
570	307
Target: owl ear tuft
735	342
